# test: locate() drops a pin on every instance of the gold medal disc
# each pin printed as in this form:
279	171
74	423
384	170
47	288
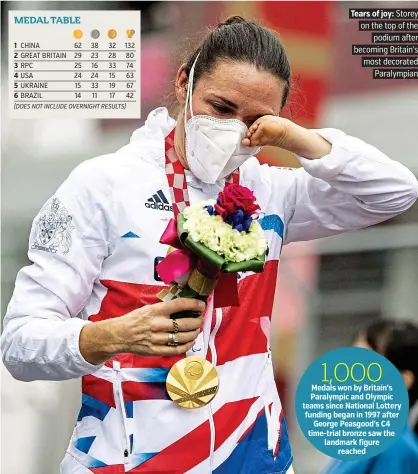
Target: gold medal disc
192	382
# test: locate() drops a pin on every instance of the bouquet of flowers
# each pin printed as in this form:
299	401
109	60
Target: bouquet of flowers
210	243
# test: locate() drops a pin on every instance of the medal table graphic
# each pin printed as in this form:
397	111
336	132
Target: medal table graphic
82	64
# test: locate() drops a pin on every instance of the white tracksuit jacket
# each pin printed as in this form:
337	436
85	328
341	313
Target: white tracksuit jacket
94	246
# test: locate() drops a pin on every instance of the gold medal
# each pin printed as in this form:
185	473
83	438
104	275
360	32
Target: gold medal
192	382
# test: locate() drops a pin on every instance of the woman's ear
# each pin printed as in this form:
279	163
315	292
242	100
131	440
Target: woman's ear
409	379
181	84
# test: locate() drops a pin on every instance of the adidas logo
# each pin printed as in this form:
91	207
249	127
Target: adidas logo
159	201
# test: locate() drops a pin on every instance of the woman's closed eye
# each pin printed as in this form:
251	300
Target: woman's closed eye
224	110
221	109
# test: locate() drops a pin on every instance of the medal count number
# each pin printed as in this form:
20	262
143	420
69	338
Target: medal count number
357	372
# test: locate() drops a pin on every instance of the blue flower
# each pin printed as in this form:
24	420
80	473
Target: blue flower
237	217
210	210
239	220
247	222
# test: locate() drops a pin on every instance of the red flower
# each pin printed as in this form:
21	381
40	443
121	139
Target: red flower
236	197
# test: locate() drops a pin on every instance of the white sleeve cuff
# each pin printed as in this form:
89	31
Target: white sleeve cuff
80	364
332	164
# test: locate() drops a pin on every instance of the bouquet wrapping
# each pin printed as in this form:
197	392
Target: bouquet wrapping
210	243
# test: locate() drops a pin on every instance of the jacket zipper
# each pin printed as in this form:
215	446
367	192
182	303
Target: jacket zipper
218	312
273	425
120	405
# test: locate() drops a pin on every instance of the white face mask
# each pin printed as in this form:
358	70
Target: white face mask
213	146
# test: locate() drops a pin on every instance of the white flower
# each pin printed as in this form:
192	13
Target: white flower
220	237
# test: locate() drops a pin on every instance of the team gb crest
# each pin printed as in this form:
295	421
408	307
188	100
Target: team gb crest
53	228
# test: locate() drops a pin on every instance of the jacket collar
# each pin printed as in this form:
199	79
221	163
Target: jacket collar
150	137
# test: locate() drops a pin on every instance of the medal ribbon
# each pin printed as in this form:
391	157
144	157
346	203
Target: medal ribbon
191	384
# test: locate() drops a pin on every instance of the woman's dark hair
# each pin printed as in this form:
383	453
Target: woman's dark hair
237	39
398	342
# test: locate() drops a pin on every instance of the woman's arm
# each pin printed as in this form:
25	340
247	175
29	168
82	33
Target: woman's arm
71	236
68	242
282	133
352	186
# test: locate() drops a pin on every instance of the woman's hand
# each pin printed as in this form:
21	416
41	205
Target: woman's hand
280	132
267	130
143	332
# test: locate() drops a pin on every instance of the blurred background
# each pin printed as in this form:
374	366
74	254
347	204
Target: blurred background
327	289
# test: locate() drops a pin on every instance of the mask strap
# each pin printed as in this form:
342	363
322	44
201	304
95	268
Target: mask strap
189	90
